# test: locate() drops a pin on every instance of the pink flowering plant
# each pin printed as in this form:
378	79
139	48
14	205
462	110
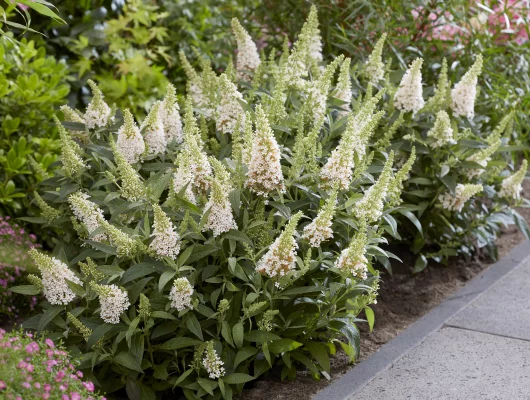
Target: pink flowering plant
15	264
33	367
228	232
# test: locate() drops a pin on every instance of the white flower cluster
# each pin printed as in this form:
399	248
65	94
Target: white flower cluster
97	112
462	194
281	257
441	132
180	294
220	218
71	152
113	300
464	93
166	242
482	158
356	264
170	116
409	96
339	167
229	111
343	89
247	52
183	178
130	142
71	115
353	259
155	137
375	69
264	170
87	213
511	187
371	206
319	230
55	273
212	362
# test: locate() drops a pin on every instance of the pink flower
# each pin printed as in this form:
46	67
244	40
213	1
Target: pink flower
60	375
2	385
47	387
79	374
75	396
89	386
26	385
65	397
37	385
45	396
32	347
49	343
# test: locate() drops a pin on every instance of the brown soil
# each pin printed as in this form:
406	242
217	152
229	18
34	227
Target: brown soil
403	298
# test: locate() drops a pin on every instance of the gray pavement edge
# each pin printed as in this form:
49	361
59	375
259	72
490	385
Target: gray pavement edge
360	375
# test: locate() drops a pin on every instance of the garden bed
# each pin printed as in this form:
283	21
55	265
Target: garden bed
403	299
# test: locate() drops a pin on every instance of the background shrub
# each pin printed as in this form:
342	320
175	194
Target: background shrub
32	86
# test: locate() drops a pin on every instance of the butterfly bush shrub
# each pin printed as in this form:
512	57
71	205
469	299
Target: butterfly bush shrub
223	235
464	184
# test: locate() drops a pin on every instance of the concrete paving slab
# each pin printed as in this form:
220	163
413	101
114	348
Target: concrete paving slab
456	364
502	310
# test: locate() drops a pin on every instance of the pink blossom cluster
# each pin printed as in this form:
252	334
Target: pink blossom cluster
14	245
34	368
506	21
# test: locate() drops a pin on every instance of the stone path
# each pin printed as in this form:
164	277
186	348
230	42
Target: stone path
476	345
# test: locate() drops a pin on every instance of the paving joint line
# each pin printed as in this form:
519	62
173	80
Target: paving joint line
484	332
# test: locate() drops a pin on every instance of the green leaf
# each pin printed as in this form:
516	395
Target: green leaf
179	343
207	384
238	334
25	289
283	345
146	393
132	329
238	236
41	7
137	271
192	323
162	314
127	360
48	315
319	353
76	288
164	279
237	378
244	354
98	333
421	264
412	219
182	377
227	333
370	317
260	336
201	251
